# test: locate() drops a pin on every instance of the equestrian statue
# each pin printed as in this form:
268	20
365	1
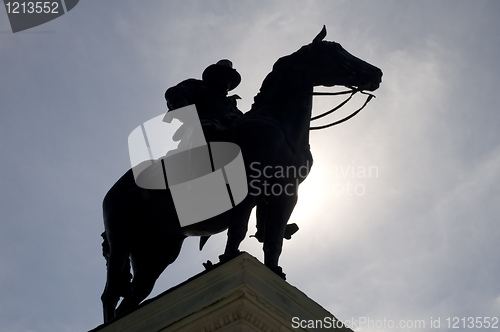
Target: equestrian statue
142	230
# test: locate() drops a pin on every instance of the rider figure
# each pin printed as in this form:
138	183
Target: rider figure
217	112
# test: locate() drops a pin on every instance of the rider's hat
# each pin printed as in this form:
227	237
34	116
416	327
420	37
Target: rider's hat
222	71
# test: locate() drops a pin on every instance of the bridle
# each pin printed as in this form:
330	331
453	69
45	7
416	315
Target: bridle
352	91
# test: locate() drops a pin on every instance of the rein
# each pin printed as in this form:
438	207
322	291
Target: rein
352	91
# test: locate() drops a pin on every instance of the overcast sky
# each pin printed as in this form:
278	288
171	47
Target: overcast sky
399	218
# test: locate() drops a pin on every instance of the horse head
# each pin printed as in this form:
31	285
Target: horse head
330	64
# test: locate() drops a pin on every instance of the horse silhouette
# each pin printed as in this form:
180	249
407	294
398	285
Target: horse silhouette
141	227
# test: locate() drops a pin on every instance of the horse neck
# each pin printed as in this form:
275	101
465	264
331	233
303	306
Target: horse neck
286	98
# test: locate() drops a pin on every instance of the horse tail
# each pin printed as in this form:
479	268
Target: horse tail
105	247
125	277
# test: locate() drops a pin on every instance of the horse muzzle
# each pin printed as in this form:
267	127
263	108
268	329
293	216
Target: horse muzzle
373	79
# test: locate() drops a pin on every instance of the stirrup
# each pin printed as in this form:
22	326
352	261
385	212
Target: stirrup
290	230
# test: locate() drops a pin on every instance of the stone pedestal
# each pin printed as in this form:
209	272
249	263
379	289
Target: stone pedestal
241	295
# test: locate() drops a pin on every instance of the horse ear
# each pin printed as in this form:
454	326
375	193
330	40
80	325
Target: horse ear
320	35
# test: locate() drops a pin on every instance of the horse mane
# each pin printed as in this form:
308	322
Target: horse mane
281	67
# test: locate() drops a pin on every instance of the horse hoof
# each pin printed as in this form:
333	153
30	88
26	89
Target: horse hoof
208	265
279	271
227	257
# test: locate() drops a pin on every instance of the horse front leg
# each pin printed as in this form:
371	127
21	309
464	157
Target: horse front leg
237	229
279	210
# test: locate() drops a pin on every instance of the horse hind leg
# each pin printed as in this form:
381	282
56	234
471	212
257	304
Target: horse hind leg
117	281
147	266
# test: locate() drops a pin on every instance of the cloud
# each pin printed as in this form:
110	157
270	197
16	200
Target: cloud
421	241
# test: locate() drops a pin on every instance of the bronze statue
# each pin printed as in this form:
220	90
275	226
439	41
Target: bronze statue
141	229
